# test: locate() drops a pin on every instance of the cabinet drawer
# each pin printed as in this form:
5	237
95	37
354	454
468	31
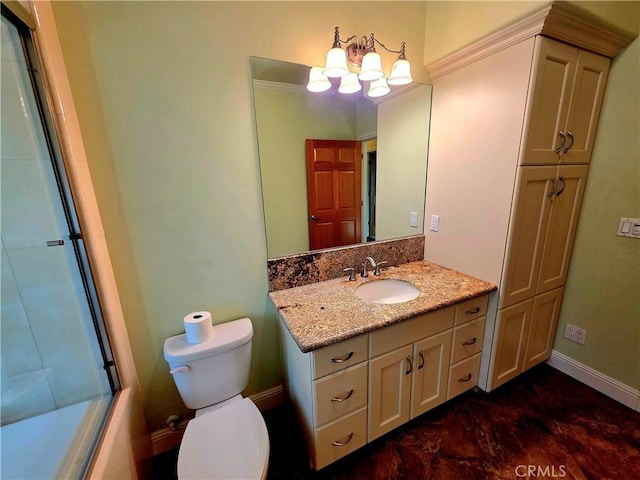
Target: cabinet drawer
411	330
467	339
470	309
339	356
337	439
463	376
340	393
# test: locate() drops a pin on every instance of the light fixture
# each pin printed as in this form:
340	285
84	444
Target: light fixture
349	84
360	53
378	88
318	82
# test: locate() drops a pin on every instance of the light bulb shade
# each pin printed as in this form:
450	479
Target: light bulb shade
336	64
400	73
349	84
378	88
317	81
371	67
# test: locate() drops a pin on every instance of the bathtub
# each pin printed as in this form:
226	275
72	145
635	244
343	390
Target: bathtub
56	444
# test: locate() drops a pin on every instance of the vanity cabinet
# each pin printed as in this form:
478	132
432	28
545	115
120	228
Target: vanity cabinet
514	119
352	392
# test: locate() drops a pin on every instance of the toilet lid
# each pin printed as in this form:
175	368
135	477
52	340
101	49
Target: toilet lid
228	443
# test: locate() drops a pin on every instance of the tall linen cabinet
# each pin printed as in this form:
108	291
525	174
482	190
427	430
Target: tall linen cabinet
514	118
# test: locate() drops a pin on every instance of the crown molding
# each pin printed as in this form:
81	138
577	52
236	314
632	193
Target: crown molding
560	21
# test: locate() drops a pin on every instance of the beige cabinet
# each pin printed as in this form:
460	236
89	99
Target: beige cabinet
407	380
351	392
514	119
545	218
569	86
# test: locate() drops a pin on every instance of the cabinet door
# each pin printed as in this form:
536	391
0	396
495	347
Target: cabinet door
586	101
510	342
430	372
563	222
389	391
549	104
527	233
542	330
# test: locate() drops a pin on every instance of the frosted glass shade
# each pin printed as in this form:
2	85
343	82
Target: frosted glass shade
400	73
371	67
378	88
336	64
318	82
349	84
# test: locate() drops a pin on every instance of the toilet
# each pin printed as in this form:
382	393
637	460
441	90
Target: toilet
228	438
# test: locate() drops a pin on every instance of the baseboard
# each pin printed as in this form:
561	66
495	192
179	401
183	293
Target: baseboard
167	439
598	381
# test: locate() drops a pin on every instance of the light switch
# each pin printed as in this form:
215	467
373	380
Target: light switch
629	227
435	223
414	219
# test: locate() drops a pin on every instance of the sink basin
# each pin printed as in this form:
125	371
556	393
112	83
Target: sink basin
387	291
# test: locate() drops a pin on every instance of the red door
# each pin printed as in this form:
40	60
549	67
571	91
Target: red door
333	192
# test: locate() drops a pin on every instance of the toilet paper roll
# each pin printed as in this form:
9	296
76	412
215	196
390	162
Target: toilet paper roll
198	327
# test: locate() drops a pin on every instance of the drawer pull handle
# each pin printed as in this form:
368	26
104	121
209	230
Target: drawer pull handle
410	365
471	312
342	399
336	443
421	359
465	379
343	359
470	342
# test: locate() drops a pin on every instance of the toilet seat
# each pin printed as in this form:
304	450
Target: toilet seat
227	443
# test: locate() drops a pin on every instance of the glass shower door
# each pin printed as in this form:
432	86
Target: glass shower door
57	374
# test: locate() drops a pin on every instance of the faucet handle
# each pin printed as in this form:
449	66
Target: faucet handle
377	270
352	274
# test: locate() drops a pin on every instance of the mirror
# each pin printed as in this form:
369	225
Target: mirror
394	135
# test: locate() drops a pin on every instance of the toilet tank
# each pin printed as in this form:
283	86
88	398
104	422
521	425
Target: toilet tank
214	370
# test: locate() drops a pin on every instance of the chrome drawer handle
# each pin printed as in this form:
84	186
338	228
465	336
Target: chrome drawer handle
561	146
336	443
471	312
343	359
473	341
410	365
342	399
568	149
465	379
555	187
564	185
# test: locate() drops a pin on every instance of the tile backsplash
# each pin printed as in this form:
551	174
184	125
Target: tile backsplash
305	268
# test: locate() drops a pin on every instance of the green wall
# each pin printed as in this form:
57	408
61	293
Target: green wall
163	93
602	294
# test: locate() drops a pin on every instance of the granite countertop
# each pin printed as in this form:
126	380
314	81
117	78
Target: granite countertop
328	312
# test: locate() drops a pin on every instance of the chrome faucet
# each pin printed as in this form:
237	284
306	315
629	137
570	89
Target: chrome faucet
374	265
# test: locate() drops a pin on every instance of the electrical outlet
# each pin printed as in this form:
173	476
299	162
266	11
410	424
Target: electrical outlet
413	219
575	334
